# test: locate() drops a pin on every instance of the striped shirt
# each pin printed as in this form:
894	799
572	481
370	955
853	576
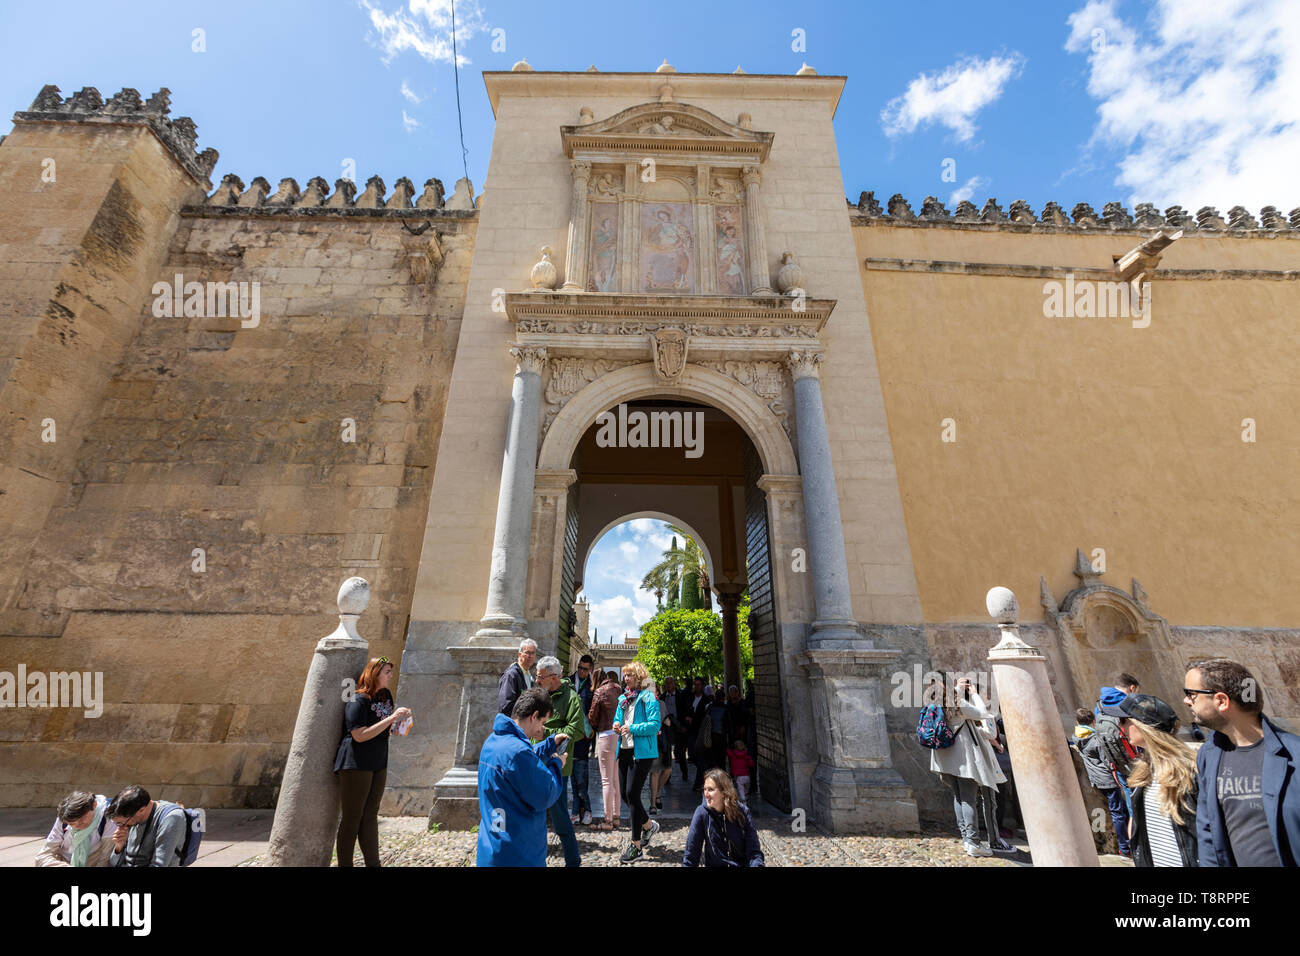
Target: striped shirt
1160	830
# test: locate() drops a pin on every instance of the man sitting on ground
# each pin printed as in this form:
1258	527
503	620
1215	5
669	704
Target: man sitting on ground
149	832
82	834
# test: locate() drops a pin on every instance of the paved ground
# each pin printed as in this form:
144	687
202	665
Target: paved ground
239	838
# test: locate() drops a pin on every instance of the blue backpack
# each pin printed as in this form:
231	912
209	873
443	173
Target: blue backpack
932	729
188	851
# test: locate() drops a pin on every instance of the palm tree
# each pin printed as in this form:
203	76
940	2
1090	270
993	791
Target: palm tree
681	569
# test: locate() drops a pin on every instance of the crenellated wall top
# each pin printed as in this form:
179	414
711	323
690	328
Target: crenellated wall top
1082	218
126	108
232	197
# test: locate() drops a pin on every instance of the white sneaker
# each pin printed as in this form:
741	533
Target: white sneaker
976	849
586	818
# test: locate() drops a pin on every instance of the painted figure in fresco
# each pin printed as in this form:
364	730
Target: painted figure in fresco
604	241
667	248
731	261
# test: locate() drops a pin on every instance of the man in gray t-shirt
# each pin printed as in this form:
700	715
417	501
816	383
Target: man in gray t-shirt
1241	770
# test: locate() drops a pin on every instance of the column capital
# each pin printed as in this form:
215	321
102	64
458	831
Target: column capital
780	484
553	482
581	168
530	358
750	175
803	363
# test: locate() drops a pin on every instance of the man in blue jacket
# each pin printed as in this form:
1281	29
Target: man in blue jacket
1248	804
517	782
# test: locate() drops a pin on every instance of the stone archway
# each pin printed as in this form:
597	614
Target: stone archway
699	539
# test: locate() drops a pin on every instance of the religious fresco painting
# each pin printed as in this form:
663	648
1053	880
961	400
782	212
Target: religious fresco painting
667	248
730	241
602	274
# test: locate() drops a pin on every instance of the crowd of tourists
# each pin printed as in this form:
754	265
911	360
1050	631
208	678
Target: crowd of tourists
1235	801
534	768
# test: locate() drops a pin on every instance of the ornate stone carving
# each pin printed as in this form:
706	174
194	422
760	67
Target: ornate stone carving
586	115
935	211
227	194
1084	215
373	196
1114	214
569	376
403	190
790	276
587	327
1022	213
767	380
966	212
432	197
606	185
315	193
1273	219
1147	216
344	190
286	194
544	275
256	194
423	256
669	350
899	208
869	206
992	212
1178	217
803	364
750	176
1240	218
1207	217
529	358
725	189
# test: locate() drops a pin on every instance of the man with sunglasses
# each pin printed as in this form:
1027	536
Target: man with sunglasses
1248	806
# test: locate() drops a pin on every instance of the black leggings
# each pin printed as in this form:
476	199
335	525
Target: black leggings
360	792
640	770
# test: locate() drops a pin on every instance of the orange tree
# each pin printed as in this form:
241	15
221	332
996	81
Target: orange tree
688	643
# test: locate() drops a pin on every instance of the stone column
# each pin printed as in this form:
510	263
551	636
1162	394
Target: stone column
729	602
834	625
760	282
307	811
575	256
504	621
1056	821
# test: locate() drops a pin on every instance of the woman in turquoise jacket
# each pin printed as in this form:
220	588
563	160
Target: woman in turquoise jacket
638	717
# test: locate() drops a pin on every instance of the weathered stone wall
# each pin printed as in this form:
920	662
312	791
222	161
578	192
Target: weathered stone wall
229	438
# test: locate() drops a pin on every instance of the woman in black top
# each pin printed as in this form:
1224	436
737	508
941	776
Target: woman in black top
362	761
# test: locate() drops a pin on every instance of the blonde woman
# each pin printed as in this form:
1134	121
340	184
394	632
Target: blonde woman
1162	828
722	831
637	725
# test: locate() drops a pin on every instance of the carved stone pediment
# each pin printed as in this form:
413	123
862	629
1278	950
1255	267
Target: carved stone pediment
665	127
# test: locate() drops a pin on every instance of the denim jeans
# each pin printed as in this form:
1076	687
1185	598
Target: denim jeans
966	798
580	781
563	826
1118	817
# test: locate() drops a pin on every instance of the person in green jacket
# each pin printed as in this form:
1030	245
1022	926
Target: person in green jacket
567	719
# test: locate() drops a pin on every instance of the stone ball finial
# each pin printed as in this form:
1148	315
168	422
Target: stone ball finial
805	70
544	274
790	276
665	67
745	121
354	595
586	115
1002	605
521	67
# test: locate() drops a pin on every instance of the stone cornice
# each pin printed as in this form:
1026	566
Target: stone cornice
1020	270
646	86
326	212
714	311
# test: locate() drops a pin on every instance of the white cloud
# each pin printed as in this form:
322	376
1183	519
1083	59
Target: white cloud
424	27
967	189
1203	100
629	550
409	123
620	614
410	94
951	98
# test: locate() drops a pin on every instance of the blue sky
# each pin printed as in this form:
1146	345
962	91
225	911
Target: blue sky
1195	102
1170	101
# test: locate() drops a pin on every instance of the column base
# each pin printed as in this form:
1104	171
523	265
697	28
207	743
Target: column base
863	800
501	630
834	634
455	800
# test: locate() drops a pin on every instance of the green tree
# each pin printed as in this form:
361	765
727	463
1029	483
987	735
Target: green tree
688	643
674	569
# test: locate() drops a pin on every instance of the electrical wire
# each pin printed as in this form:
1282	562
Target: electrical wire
455	65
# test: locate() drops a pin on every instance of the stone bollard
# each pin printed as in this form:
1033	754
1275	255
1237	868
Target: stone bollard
1056	822
307	813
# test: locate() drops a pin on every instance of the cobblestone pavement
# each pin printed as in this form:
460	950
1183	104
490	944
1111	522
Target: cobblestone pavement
403	841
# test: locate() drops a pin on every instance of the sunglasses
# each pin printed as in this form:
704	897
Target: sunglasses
1190	692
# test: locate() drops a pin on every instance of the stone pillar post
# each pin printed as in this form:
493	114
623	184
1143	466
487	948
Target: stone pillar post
504	621
1056	821
307	812
575	256
455	796
834	625
760	282
729	602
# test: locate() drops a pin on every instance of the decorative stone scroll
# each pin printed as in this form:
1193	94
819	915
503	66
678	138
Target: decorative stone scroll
568	376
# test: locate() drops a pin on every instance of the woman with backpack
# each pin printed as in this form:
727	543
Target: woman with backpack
361	763
722	831
958	735
1162	828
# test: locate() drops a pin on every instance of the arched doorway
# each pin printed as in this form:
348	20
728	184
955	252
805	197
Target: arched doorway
721	493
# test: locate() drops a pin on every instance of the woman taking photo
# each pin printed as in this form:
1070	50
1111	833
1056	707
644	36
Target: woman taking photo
1162	828
969	766
637	724
722	832
362	760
